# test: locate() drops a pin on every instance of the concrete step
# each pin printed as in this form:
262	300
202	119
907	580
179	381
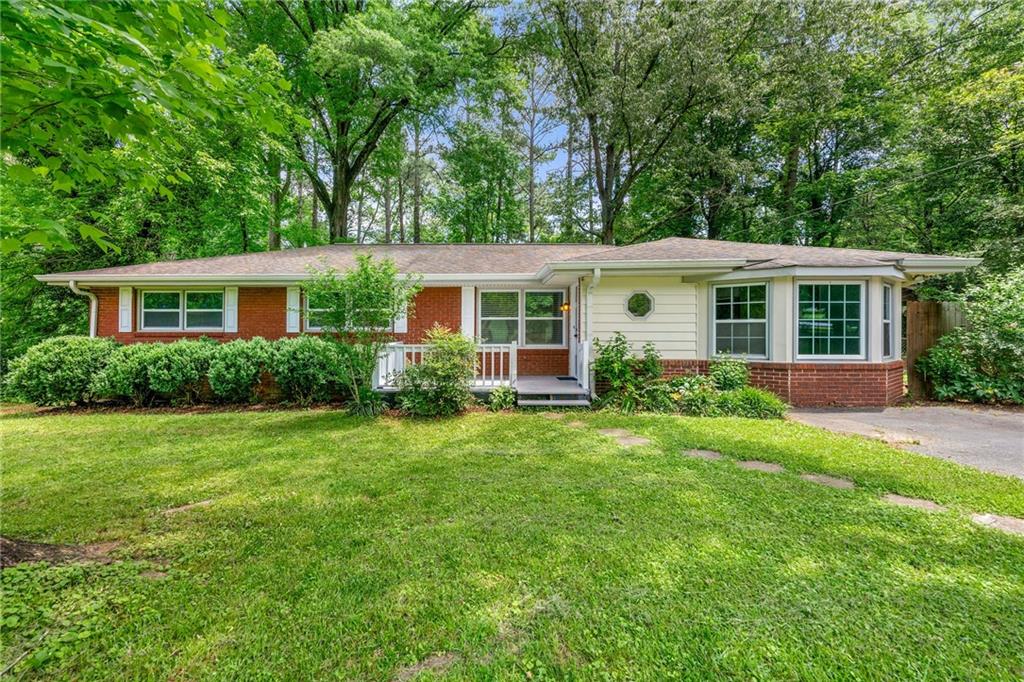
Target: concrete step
549	402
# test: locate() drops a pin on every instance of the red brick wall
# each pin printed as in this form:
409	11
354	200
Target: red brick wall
817	384
543	361
261	312
434	305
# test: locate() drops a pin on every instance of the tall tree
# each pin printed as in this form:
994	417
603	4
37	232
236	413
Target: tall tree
638	70
358	66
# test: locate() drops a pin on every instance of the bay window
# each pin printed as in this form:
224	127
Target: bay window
887	340
182	310
741	319
531	318
830	322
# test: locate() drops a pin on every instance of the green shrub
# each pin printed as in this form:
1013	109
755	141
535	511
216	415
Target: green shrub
625	375
983	361
59	371
126	374
657	396
177	371
502	398
370	403
729	373
308	369
750	402
235	369
439	385
700	401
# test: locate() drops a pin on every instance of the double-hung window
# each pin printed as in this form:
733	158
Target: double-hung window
532	318
544	318
499	316
741	319
830	321
887	340
314	314
182	310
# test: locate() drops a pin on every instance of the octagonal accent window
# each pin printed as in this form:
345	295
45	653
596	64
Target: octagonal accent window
639	305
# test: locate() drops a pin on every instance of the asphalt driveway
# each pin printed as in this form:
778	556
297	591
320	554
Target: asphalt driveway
985	438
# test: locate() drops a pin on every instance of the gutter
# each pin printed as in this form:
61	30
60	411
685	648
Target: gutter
73	285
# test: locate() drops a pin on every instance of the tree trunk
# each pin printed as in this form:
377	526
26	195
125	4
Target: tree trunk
401	209
276	198
567	207
789	172
315	214
417	185
245	233
340	201
387	210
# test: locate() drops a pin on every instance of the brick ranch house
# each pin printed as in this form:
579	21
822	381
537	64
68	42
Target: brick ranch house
820	326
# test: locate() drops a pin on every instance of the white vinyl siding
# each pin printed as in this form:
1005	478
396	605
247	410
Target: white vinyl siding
671	326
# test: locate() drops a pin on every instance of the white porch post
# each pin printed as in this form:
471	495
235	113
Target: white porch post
469	312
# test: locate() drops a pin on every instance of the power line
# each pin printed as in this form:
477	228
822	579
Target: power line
898	183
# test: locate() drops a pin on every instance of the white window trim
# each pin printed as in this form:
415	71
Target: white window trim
713	349
625	305
863	320
182	310
887	292
521	319
306	310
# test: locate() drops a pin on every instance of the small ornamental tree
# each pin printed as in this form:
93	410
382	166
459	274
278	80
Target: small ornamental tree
357	310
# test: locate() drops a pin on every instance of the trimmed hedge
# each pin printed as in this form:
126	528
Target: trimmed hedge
59	371
77	370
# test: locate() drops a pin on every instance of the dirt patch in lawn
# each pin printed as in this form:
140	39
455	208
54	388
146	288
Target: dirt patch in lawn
437	663
13	552
187	507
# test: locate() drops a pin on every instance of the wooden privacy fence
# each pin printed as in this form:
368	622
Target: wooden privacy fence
926	322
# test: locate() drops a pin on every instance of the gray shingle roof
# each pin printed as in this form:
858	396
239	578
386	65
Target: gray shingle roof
498	259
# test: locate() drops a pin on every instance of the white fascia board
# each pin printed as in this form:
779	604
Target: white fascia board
938	266
640	267
258	280
889	271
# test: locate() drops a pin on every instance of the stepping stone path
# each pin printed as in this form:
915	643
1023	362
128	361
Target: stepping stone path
756	465
830	481
554	416
577	424
703	454
915	502
624	437
1009	524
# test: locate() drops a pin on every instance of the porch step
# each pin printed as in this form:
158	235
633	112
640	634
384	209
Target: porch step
553	402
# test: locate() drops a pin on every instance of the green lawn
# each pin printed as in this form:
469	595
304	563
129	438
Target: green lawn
496	546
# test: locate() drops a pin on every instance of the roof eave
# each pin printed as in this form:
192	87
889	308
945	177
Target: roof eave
937	266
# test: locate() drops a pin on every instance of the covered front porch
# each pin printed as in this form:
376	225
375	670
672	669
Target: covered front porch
498	365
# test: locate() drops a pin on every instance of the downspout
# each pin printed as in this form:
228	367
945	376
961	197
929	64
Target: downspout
92	305
594	281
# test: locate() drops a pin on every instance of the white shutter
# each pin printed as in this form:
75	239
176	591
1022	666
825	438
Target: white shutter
292	316
402	322
231	310
124	309
469	311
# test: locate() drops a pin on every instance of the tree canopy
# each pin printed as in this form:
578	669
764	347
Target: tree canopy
136	130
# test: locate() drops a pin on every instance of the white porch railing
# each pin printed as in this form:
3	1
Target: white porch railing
495	364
